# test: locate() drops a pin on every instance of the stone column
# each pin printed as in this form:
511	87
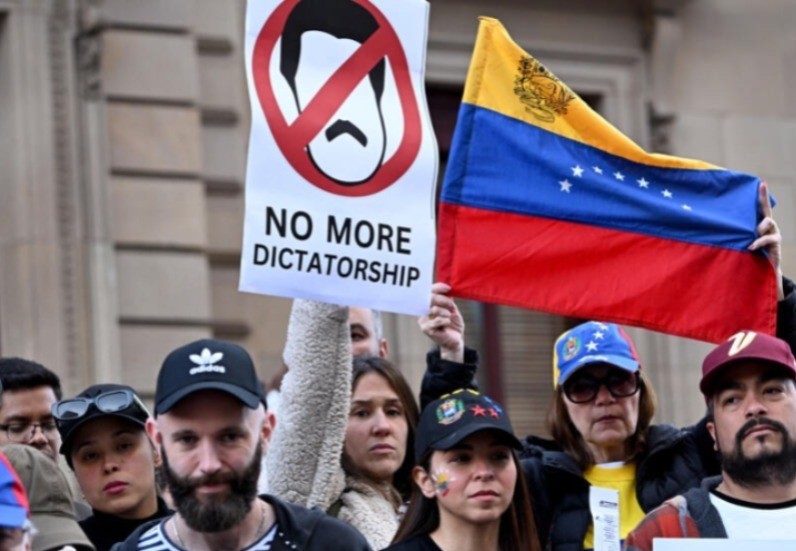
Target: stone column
42	303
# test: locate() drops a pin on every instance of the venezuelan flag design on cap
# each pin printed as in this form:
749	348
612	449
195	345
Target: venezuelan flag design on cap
592	343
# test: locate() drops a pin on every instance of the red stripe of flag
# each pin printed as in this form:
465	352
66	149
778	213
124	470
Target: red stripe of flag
573	269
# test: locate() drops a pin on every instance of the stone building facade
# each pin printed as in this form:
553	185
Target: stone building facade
123	132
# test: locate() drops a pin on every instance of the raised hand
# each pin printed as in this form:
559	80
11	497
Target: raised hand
444	324
770	239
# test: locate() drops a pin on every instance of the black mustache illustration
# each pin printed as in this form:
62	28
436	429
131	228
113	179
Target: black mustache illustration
346	127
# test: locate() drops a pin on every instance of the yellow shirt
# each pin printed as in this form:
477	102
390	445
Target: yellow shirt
622	479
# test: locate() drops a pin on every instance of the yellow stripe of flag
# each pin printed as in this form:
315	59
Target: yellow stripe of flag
505	79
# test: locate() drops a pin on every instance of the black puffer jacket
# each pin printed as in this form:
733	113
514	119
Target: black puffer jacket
675	459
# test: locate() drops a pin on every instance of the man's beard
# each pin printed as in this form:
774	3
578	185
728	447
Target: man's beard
213	515
770	467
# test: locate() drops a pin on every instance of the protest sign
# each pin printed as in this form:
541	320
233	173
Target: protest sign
342	158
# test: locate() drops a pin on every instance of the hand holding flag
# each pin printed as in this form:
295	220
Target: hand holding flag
444	324
770	239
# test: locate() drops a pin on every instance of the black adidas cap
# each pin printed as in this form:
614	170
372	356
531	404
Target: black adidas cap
449	420
207	364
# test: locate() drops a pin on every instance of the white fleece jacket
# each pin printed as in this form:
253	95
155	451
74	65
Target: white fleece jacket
304	456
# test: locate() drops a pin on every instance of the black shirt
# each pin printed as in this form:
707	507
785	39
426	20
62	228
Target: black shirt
104	530
417	543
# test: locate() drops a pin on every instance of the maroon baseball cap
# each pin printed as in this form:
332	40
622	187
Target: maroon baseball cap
745	346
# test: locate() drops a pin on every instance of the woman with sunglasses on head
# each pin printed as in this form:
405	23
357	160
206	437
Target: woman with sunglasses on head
106	445
469	493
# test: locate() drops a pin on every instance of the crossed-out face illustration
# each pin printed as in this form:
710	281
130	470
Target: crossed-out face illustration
319	36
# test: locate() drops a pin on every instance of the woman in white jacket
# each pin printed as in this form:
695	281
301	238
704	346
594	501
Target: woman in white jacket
344	437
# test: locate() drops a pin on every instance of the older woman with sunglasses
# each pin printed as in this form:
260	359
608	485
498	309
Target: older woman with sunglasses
106	445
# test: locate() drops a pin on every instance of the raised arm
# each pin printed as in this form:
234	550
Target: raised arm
769	238
304	456
449	365
770	241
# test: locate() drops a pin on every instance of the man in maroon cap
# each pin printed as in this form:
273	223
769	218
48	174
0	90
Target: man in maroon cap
749	383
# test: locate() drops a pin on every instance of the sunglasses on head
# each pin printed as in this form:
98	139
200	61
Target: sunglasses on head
112	401
582	388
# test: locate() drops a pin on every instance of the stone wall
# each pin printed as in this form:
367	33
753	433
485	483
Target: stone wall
123	134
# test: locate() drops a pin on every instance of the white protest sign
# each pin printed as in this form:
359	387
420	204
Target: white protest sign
682	544
342	159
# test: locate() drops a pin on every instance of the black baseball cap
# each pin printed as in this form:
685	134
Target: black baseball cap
448	420
207	364
136	413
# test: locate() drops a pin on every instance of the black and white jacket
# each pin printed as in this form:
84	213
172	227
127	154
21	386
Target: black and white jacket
298	529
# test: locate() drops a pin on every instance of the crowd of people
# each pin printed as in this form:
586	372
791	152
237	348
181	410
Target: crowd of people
352	461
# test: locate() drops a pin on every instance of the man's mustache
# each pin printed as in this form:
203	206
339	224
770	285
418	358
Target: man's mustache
342	126
752	423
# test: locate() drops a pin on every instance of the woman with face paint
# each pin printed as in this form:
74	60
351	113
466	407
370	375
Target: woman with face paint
469	492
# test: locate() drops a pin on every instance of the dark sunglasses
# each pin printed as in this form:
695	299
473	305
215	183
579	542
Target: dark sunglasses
112	401
584	388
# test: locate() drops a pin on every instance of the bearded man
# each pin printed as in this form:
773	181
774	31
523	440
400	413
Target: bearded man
212	427
749	383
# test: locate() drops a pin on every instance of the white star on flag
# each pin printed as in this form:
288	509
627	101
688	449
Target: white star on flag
597	169
598	335
619	176
565	185
591	346
666	193
643	183
577	171
686	207
601	325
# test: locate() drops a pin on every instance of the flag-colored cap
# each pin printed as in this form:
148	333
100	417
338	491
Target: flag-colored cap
745	346
13	499
450	419
592	343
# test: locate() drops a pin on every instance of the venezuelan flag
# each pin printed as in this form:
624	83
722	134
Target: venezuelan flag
547	206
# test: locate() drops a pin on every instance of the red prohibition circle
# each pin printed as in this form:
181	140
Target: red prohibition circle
293	139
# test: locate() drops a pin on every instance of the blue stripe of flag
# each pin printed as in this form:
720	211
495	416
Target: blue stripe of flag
501	163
